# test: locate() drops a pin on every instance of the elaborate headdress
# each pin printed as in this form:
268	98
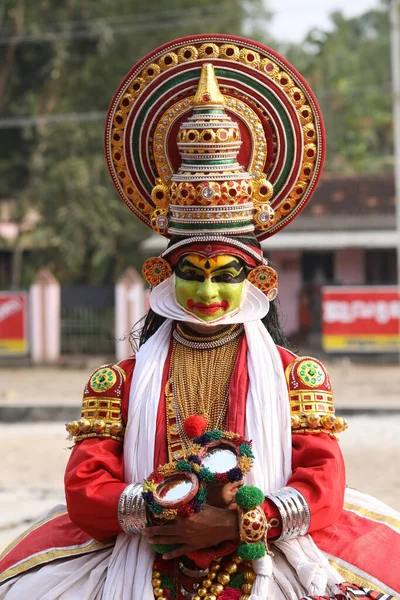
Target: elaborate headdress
213	138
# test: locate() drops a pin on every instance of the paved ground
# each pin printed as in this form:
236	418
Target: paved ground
33	455
353	384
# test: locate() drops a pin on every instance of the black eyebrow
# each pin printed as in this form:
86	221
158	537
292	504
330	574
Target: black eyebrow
235	264
186	263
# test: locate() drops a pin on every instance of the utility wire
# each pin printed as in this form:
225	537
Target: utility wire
170	14
100	27
33	121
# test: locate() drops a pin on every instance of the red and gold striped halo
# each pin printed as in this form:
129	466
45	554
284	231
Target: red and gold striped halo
278	117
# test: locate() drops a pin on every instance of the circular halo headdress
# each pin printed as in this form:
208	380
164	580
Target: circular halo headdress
214	135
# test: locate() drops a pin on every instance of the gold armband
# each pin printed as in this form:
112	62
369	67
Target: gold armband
311	399
101	414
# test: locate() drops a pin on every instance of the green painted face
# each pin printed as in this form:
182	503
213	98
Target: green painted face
209	287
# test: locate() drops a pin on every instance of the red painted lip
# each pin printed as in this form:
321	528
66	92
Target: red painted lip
208	309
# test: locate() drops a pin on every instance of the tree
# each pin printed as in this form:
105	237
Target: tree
349	69
68	58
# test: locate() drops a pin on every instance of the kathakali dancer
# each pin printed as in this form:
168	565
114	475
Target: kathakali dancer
207	466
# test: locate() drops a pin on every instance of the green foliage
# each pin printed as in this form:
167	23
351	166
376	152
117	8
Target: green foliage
67	58
348	68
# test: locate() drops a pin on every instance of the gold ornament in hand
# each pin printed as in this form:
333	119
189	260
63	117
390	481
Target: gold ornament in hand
253	525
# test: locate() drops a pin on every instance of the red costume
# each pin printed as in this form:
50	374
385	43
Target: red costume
94	481
218	143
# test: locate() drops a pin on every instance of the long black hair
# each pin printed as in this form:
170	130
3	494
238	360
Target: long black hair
148	325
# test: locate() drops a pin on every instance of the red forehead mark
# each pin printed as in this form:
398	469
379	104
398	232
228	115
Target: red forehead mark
208	276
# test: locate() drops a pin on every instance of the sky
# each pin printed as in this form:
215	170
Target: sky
293	19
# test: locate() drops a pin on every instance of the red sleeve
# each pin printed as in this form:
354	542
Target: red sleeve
94	481
94	478
318	472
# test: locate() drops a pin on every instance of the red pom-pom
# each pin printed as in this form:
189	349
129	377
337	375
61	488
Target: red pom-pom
195	425
220	478
186	510
156	477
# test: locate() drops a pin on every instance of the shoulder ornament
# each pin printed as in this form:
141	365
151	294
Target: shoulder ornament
101	406
311	398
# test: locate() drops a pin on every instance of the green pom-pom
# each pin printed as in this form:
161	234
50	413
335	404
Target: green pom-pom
237	580
215	434
206	475
156	509
245	450
201	495
183	465
249	496
164	548
168	582
251	551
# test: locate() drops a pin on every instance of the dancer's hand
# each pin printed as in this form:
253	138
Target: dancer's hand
207	528
223	496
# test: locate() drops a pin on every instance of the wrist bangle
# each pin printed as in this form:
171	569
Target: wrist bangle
132	509
294	511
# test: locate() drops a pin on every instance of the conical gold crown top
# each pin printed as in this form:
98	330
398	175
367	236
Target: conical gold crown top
211	192
208	90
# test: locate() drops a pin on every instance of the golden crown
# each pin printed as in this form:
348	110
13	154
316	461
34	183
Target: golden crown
211	192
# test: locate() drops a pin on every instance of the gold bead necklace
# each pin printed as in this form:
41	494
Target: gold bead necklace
199	337
201	378
216	580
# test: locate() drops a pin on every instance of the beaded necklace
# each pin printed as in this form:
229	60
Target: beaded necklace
219	576
203	342
200	373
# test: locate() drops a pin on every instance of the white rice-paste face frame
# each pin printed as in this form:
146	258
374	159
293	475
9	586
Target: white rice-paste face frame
254	305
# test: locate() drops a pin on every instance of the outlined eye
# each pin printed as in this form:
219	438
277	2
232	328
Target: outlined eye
225	277
192	273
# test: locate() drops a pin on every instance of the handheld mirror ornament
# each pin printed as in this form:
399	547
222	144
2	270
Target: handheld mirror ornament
173	489
220	457
177	490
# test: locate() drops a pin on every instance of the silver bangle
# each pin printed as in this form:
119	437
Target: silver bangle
294	512
132	509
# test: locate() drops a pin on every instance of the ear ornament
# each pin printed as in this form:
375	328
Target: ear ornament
265	279
156	270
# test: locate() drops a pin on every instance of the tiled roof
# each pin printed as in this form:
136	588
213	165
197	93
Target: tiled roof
365	202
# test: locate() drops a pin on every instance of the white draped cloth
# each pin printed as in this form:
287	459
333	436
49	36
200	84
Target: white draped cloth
298	567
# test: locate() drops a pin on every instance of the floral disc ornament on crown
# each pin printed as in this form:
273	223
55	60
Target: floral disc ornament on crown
214	134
